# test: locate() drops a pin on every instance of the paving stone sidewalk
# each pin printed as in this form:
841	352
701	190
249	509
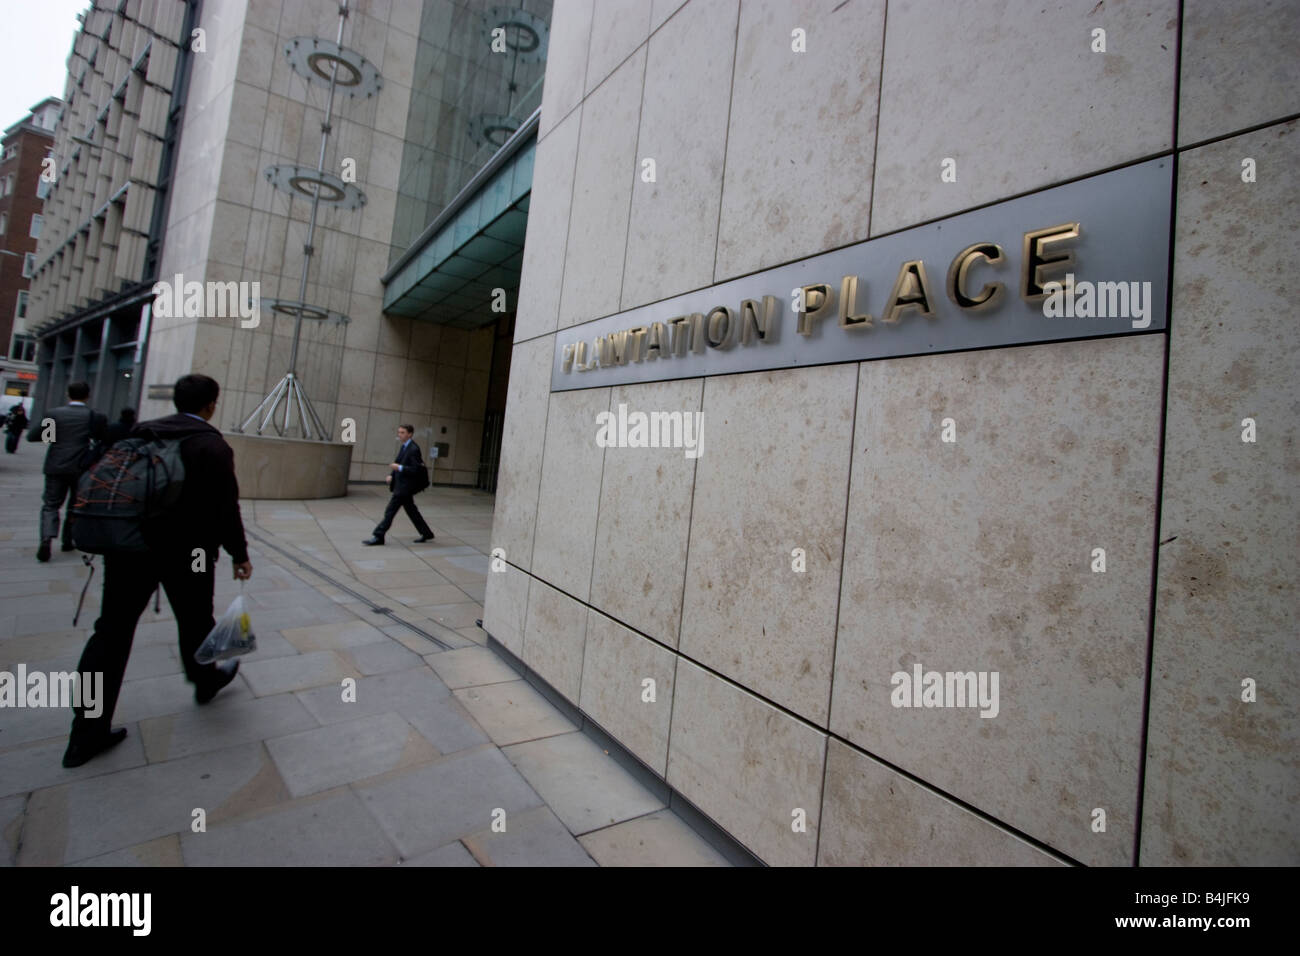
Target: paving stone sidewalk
285	771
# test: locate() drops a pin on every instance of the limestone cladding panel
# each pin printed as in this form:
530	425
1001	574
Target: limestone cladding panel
567	504
505	607
554	637
645	514
754	769
767	530
1069	111
523	436
977	556
617	28
602	192
802	131
548	229
566	61
617	664
1221	771
1240	66
875	816
674	221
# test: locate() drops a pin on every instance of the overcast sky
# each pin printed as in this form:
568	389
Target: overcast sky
35	38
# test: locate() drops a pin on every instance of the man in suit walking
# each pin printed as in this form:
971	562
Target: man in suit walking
76	426
405	472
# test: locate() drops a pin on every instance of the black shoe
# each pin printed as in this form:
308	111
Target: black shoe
80	751
68	546
424	538
204	694
43	552
373	539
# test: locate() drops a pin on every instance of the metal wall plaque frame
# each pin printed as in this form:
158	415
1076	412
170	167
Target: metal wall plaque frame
1122	220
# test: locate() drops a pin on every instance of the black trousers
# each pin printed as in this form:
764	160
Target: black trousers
404	500
58	487
129	583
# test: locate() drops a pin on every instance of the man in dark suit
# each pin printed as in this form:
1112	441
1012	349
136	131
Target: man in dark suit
120	428
405	472
76	426
204	518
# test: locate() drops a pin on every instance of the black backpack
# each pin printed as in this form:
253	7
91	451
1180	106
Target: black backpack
136	480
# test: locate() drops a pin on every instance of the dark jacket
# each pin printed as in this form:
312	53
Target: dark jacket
405	481
74	427
207	513
115	433
16	422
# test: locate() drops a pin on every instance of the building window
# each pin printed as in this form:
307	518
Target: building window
37	221
10	153
42	188
4	222
21	311
23	348
29	264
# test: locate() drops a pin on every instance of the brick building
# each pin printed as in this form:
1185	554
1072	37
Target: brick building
25	145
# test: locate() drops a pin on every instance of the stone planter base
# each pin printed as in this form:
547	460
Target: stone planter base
278	468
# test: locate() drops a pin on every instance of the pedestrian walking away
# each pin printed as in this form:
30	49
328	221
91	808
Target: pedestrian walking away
120	428
15	425
205	518
408	476
72	438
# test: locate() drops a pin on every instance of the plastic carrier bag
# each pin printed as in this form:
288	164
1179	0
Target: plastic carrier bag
232	636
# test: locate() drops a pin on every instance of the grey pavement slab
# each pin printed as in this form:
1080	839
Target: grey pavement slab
474	633
282	674
382	658
11	824
581	782
453	854
433	805
40	764
471	667
400	579
221	724
382	693
22	649
333	637
513	712
156	696
417	695
329	829
656	839
427	594
164	851
116	810
326	757
153	660
446	725
532	838
24	725
453	616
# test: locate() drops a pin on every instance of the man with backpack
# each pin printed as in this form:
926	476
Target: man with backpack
409	477
72	445
183	545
